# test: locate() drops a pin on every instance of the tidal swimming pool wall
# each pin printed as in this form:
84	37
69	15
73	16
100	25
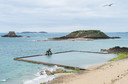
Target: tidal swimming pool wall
71	58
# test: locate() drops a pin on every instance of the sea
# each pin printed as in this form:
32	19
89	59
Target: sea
18	72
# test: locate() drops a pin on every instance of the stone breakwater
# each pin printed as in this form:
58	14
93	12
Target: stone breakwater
51	64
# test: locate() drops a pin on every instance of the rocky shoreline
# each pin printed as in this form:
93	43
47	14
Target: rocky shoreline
70	39
76	39
83	39
116	49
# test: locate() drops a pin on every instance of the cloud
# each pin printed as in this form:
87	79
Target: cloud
89	8
55	13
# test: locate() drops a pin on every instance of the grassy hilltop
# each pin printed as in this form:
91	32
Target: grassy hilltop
87	34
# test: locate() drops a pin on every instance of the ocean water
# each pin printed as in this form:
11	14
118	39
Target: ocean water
16	72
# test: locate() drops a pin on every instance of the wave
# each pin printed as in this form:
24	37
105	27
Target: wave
4	80
42	78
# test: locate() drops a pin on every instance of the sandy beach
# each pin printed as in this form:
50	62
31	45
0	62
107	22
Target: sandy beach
109	73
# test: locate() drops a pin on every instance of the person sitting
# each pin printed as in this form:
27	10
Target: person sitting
48	52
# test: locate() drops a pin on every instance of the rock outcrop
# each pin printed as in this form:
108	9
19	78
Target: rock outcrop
116	49
89	34
59	70
11	34
48	72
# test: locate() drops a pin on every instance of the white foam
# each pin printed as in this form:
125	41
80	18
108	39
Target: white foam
4	80
42	78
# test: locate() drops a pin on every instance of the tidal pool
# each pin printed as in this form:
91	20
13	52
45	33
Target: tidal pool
76	59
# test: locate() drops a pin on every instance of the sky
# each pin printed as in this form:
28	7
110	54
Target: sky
63	15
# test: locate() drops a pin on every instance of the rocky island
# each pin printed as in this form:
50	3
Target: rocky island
122	52
11	34
85	35
116	49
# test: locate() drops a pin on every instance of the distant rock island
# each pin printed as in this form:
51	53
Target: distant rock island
116	49
11	34
85	35
34	32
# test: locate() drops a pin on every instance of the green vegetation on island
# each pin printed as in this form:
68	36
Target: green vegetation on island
86	34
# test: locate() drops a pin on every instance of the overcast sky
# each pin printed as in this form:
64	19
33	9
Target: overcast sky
63	15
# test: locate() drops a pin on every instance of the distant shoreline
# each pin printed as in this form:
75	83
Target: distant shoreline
34	32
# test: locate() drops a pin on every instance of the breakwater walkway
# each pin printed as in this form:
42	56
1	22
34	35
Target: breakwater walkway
51	64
